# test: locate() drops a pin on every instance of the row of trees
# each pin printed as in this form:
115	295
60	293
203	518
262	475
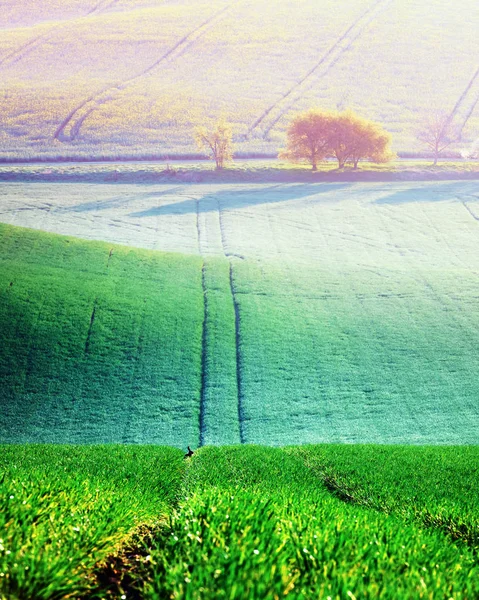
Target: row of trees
316	134
312	136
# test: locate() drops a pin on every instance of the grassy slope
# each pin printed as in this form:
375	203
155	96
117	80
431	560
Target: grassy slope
143	347
98	348
55	57
64	509
244	522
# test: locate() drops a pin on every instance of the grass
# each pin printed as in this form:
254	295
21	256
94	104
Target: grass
65	509
56	57
236	522
421	484
247	171
303	313
106	336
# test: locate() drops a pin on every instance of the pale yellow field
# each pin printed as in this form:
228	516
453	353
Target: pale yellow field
118	77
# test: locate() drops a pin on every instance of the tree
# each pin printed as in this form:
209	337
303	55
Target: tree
368	141
353	138
218	142
315	135
308	137
436	132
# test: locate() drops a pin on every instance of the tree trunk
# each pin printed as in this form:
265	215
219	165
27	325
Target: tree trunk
356	164
315	166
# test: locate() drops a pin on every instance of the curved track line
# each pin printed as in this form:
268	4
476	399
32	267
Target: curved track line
327	61
75	119
101	6
19	53
462	105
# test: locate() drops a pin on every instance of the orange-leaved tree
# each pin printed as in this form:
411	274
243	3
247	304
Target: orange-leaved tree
308	137
362	140
217	141
316	134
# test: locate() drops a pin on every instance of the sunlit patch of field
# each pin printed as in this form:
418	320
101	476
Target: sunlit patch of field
246	522
235	59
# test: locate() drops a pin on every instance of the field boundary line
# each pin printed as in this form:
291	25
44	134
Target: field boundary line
83	110
328	60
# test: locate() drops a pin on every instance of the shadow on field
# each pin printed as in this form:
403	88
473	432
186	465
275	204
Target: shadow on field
432	192
242	198
119	201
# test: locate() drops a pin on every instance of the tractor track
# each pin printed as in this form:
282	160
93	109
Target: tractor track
204	335
90	327
19	53
464	107
237	313
69	128
279	108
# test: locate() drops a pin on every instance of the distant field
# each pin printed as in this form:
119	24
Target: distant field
239	522
279	314
132	77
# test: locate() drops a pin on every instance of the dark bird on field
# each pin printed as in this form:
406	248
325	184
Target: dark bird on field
189	454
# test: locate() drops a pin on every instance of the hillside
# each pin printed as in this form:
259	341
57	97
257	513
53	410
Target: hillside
132	77
245	521
273	314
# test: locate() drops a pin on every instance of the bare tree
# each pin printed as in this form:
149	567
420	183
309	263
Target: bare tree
218	142
436	132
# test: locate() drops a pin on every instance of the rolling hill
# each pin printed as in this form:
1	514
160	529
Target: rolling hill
269	314
132	77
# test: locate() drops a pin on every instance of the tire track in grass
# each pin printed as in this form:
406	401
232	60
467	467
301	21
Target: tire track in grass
101	6
204	333
218	420
239	365
469	210
279	108
69	128
129	435
90	327
465	106
237	315
20	53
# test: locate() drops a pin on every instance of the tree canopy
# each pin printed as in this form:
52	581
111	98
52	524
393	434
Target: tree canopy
317	134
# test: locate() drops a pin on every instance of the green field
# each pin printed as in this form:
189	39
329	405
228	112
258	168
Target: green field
353	339
91	78
238	522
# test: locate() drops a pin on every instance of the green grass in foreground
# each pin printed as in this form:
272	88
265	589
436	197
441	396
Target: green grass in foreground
64	509
244	522
436	488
